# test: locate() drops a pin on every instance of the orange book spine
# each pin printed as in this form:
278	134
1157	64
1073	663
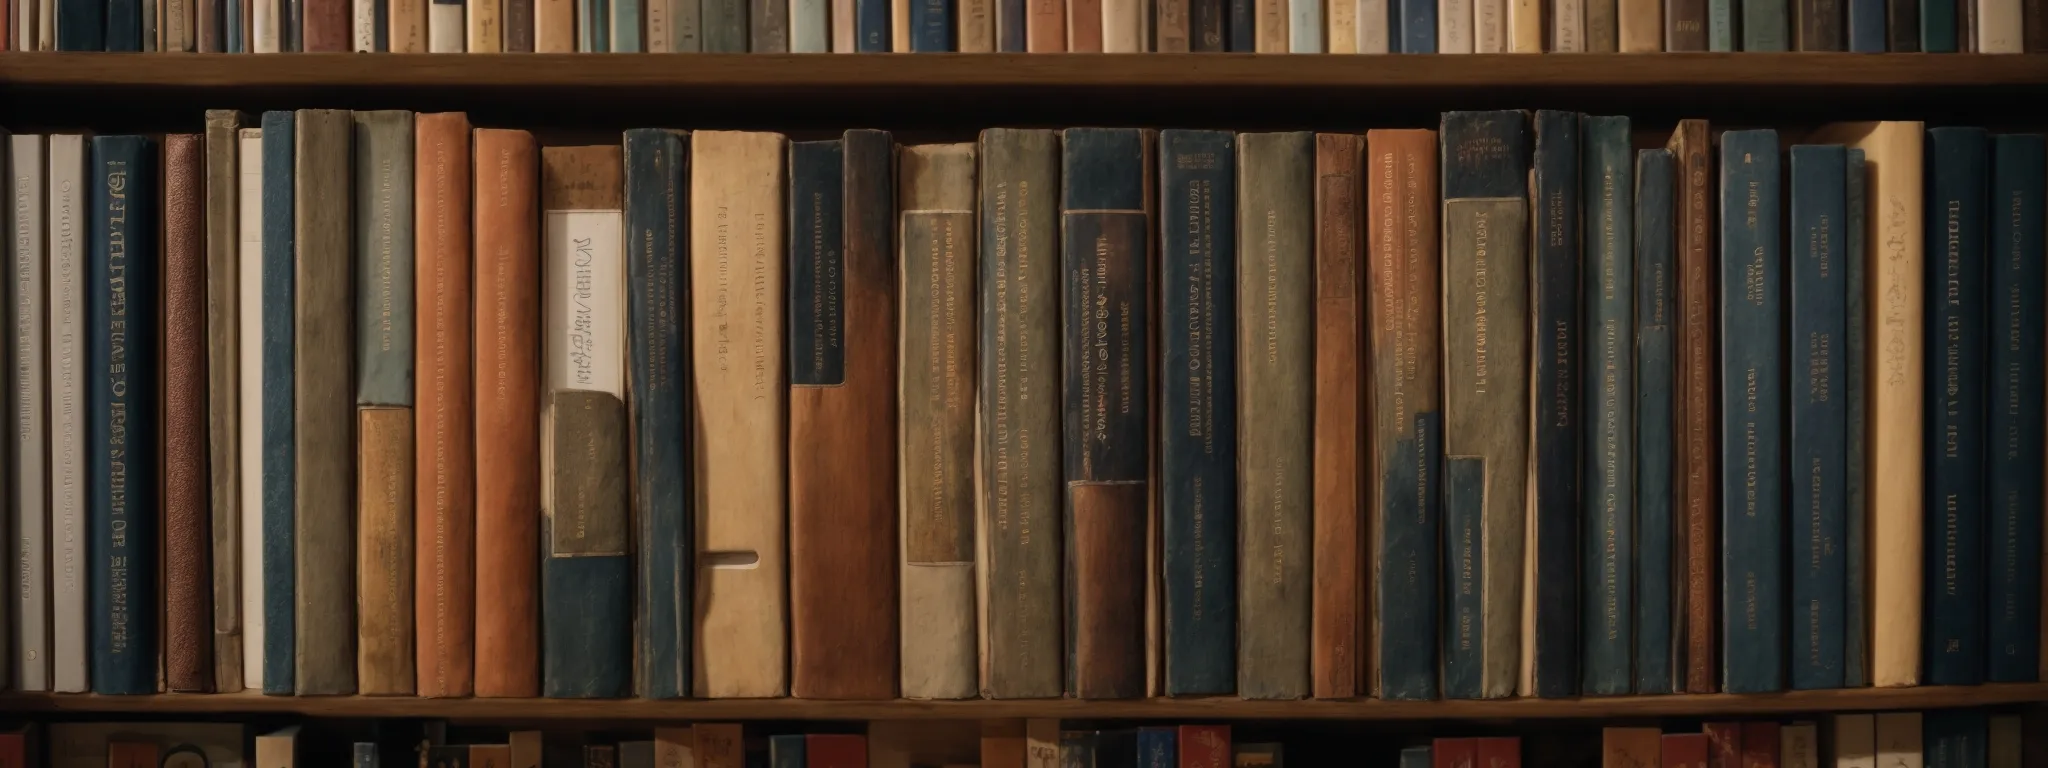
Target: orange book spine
445	468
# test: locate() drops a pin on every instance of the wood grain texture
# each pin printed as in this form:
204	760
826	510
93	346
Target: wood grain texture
1337	649
223	409
384	551
188	585
445	455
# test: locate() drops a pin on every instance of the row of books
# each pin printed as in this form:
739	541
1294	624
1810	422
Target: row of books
398	406
1035	26
1961	738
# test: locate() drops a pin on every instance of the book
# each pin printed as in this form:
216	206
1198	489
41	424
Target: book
1021	492
69	527
2004	743
28	390
1104	253
722	26
1084	26
383	396
1417	757
1657	626
249	275
937	350
323	407
586	575
1854	742
1375	31
2013	481
1955	738
1045	26
873	32
738	427
1763	25
1568	26
1939	24
186	591
1607	462
1407	423
1956	615
1752	408
1124	27
1304	26
1685	25
656	168
554	26
406	26
719	745
1818	25
1799	745
279	445
1898	739
1855	357
1486	391
786	751
506	400
1454	25
1762	744
1242	26
121	361
1276	373
445	605
1639	26
1550	621
1629	746
1337	622
1865	20
1602	30
224	446
1698	430
673	748
1819	415
810	26
1721	31
1684	750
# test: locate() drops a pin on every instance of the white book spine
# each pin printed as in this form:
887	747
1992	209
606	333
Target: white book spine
1998	26
28	578
24	32
365	27
1568	26
1305	26
69	642
444	26
1489	26
249	276
661	26
1375	26
263	24
1454	26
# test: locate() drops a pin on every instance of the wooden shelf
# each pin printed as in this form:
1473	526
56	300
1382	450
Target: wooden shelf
1710	705
930	90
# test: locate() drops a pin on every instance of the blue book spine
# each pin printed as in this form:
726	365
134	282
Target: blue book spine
1721	37
1764	24
1938	28
1656	377
1077	749
231	41
1955	615
1463	579
1866	26
1010	26
1819	414
656	166
1198	463
1608	461
931	26
1416	26
122	313
124	25
2018	172
280	484
872	26
1855	616
593	26
1956	738
1408	621
1555	361
81	25
1242	27
1157	748
786	751
585	648
1752	416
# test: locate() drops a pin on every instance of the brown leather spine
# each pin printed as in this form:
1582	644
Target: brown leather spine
325	27
1045	26
209	32
507	322
1084	26
1698	419
384	552
1337	625
444	453
842	462
1109	638
188	659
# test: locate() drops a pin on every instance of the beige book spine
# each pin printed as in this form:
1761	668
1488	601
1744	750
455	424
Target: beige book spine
408	23
554	26
1269	26
843	38
486	26
1342	36
1123	26
1490	26
1567	26
1525	26
975	28
899	26
1454	26
384	551
1642	26
1375	27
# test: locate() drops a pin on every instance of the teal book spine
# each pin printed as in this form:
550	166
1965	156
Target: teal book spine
1938	26
1764	24
1607	465
1158	748
1555	367
1855	518
1656	273
1752	416
280	461
2014	474
1721	25
1819	415
384	257
1956	738
656	168
1954	617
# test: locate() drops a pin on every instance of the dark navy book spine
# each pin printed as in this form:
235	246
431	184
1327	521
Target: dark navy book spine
1462	576
123	315
931	26
2018	172
1752	416
280	483
1866	26
1415	27
1198	458
1938	29
1855	597
1956	738
1158	748
1954	618
871	26
1555	359
81	25
1408	621
1242	27
787	750
124	25
1656	453
1608	462
656	166
1819	414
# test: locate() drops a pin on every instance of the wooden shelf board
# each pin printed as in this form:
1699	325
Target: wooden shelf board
1860	699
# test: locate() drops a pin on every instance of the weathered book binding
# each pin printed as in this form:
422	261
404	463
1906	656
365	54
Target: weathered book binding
223	371
1337	650
2013	476
384	397
1698	504
1656	667
186	548
1550	641
1752	409
279	445
323	406
445	449
1607	461
1819	415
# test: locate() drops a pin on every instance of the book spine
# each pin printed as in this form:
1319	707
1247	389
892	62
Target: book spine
1820	25
406	26
131	26
188	578
723	26
81	25
872	29
1084	26
1752	437
1242	27
767	27
843	476
739	430
1938	26
325	26
1012	26
593	25
1656	187
279	443
323	406
1722	36
1486	391
786	751
1417	25
28	375
1020	418
1819	417
1603	33
1407	425
506	321
1304	26
622	17
1104	254
223	421
248	274
445	447
1198	457
2013	475
518	24
1865	26
1045	26
586	573
1607	466
363	26
122	363
554	26
1374	26
1764	25
931	26
1170	26
1454	25
384	550
1697	442
657	172
1640	26
1956	738
1551	589
1337	634
1276	379
1125	27
485	28
69	529
936	434
1855	525
1956	614
384	398
1685	25
809	26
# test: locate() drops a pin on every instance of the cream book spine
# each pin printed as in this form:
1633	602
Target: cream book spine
263	25
1568	26
363	26
1375	27
28	379
1454	26
1343	18
1123	26
70	645
1304	26
1490	26
737	251
1999	26
249	285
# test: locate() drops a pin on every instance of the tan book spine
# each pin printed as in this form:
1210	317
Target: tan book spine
1602	33
673	748
554	26
188	587
445	449
1339	473
1269	26
1525	26
1697	402
899	26
719	745
1641	26
408	26
1123	26
223	406
486	27
737	200
384	547
323	402
1084	26
1045	26
1343	23
844	39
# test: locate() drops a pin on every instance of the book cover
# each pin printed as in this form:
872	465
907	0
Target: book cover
1656	667
1762	744
1819	414
1304	26
1698	430
28	635
446	596
1685	25
1550	598
186	592
1242	29
1764	25
323	406
2013	472
1955	621
872	28
1640	26
1454	25
1011	25
1855	366
1819	25
279	445
723	26
1125	27
1753	406
1865	26
1722	36
1854	740
809	26
1684	750
224	446
384	380
1607	462
1939	26
1337	639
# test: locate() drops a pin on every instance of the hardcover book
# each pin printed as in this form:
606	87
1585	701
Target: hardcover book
1550	576
225	447
187	663
1753	397
1656	667
2013	475
279	535
28	282
1955	621
1607	464
384	380
323	407
1337	631
445	449
1819	417
1697	508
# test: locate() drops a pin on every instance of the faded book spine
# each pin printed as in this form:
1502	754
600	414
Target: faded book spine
249	406
936	204
1486	397
1820	24
767	27
1550	590
1855	399
384	550
1656	189
70	206
323	406
1198	442
2013	475
187	588
656	177
1764	25
279	445
1685	25
29	397
445	455
1607	462
1955	617
1752	438
223	417
1698	502
1819	417
723	26
384	378
1276	370
1106	405
1337	661
1020	494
